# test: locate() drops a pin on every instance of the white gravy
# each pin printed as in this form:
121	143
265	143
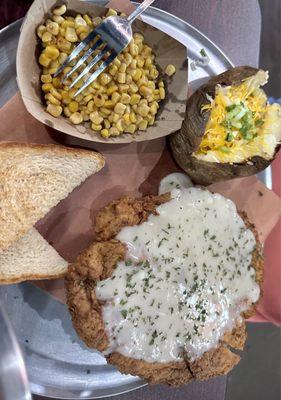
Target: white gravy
176	180
185	282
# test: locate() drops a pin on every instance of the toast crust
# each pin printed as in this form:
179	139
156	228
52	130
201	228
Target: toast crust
98	263
55	148
31	277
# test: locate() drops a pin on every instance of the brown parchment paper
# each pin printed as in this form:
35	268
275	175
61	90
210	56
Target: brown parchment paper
134	169
167	50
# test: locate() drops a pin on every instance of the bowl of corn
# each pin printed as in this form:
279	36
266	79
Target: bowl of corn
132	100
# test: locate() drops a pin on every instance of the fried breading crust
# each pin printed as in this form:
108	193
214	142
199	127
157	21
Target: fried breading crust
98	262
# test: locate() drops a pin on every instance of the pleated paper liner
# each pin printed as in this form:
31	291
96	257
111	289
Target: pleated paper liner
166	49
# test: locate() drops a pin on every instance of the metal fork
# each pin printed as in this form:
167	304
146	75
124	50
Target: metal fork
112	36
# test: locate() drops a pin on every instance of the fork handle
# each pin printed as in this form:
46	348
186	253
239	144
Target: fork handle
139	10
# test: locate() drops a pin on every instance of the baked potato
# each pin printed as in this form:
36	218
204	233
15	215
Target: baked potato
229	129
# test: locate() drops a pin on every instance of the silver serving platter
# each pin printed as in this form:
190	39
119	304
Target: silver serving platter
58	363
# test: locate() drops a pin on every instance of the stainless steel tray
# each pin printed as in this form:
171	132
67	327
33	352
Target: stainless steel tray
58	363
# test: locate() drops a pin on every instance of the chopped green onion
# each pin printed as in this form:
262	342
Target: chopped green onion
229	137
203	53
224	149
259	122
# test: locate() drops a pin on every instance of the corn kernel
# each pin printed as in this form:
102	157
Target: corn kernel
154	108
44	60
88	20
121	77
135	98
133	117
105	111
170	70
133	64
107	124
91	106
113	131
123	68
146	51
85	115
46	37
140	62
67	24
143	110
151	120
79	97
96	127
119	126
54	110
133	87
63	44
99	100
108	104
105	133
111	90
46	87
129	79
53	28
115	117
119	108
60	10
143	125
134	50
73	106
128	109
162	93
46	78
40	30
96	118
153	73
138	37
137	75
145	91
52	52
87	98
151	84
105	78
148	61
127	120
117	62
96	21
125	98
52	99
111	12
130	129
113	70
62	57
123	88
66	112
115	97
139	119
55	93
80	21
71	35
76	118
58	19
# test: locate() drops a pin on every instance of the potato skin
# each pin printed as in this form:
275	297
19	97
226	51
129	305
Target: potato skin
187	140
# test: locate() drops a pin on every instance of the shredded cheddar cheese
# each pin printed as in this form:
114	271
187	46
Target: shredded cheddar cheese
239	126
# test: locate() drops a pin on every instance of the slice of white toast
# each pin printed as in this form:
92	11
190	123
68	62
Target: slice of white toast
33	179
31	257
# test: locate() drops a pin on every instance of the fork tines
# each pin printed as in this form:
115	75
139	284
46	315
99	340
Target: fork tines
104	51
